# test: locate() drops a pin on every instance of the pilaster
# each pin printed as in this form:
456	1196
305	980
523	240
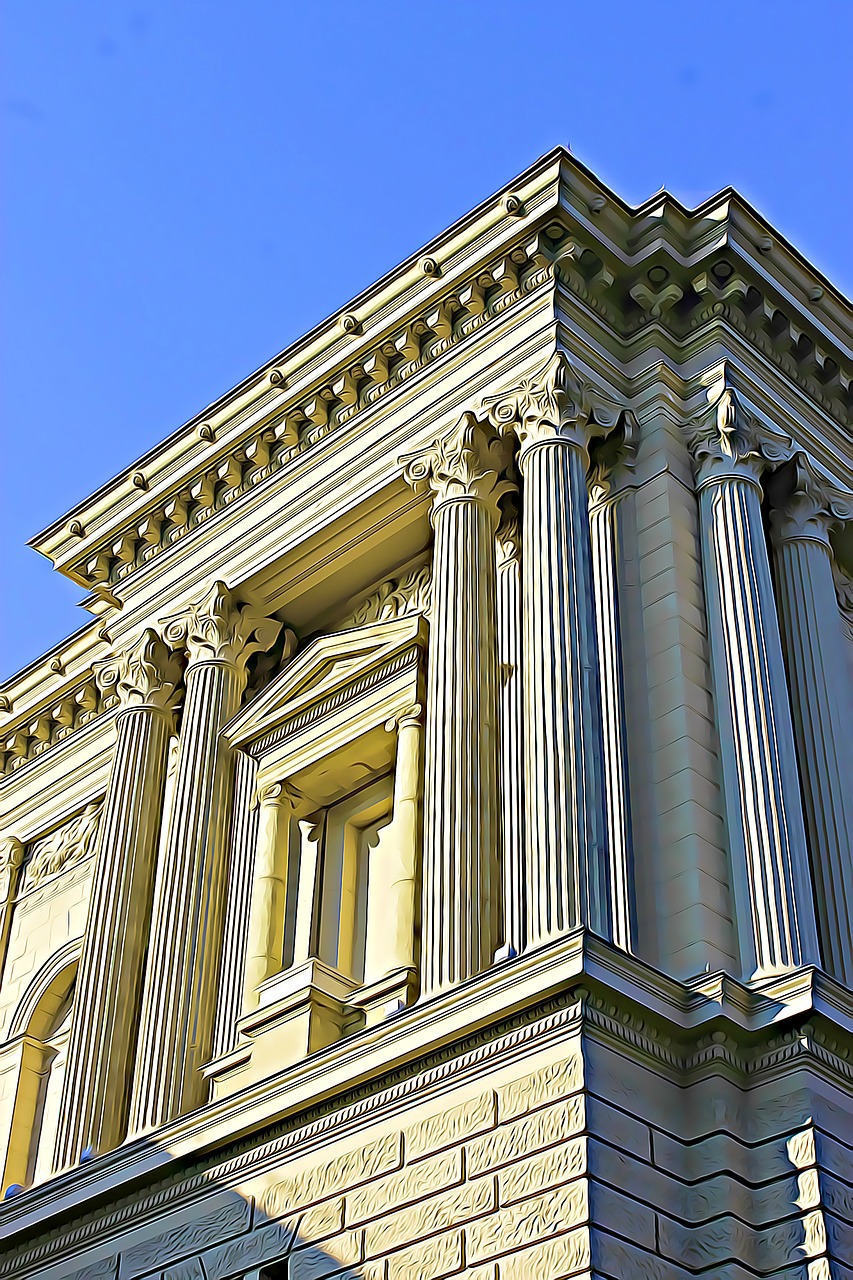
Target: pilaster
566	862
806	506
511	693
460	927
181	982
772	885
109	981
606	492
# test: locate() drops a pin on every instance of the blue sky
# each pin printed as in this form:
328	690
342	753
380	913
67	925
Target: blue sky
190	185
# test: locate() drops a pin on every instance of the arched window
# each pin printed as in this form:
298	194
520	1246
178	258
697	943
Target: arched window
41	1027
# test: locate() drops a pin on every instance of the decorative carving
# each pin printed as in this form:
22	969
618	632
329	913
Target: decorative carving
806	504
290	431
65	847
394	598
218	628
35	732
554	404
468	461
731	440
145	676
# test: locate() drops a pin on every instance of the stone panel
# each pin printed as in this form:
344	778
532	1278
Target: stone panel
443	1130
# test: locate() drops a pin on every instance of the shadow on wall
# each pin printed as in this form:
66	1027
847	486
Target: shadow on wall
222	1236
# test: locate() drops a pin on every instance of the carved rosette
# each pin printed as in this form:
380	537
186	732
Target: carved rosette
806	504
145	677
219	628
467	462
731	442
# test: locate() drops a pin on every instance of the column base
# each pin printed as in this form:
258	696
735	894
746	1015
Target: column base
300	1011
386	996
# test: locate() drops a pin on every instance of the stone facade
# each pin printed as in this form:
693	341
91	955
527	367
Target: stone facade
436	856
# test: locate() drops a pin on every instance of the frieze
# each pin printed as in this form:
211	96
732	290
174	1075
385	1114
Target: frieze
398	597
63	848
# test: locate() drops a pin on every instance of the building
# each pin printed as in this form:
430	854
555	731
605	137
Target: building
434	857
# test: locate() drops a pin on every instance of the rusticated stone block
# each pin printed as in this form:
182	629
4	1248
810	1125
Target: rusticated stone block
539	1172
449	1127
314	1261
349	1170
437	1173
221	1216
564	1256
430	1217
527	1222
550	1084
618	1128
440	1256
615	1257
523	1137
609	1208
264	1245
321	1220
189	1270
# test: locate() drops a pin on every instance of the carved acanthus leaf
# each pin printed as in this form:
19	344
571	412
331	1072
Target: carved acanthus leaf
554	404
394	598
806	503
147	675
729	439
468	461
218	628
65	847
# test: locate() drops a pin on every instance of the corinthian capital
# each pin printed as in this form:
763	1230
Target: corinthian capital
554	404
219	628
468	461
806	504
729	440
147	675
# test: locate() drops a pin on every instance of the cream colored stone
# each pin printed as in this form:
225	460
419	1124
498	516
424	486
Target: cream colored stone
387	1034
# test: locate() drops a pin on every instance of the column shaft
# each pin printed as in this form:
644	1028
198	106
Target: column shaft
604	540
821	703
109	981
565	830
763	807
460	800
244	835
511	692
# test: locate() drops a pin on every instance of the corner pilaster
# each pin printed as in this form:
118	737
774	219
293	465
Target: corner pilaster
772	885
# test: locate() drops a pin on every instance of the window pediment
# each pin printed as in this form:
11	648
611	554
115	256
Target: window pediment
331	668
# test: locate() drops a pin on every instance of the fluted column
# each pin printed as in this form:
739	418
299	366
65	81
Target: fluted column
566	863
820	694
764	816
604	542
461	823
511	687
277	803
243	840
181	980
105	1021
